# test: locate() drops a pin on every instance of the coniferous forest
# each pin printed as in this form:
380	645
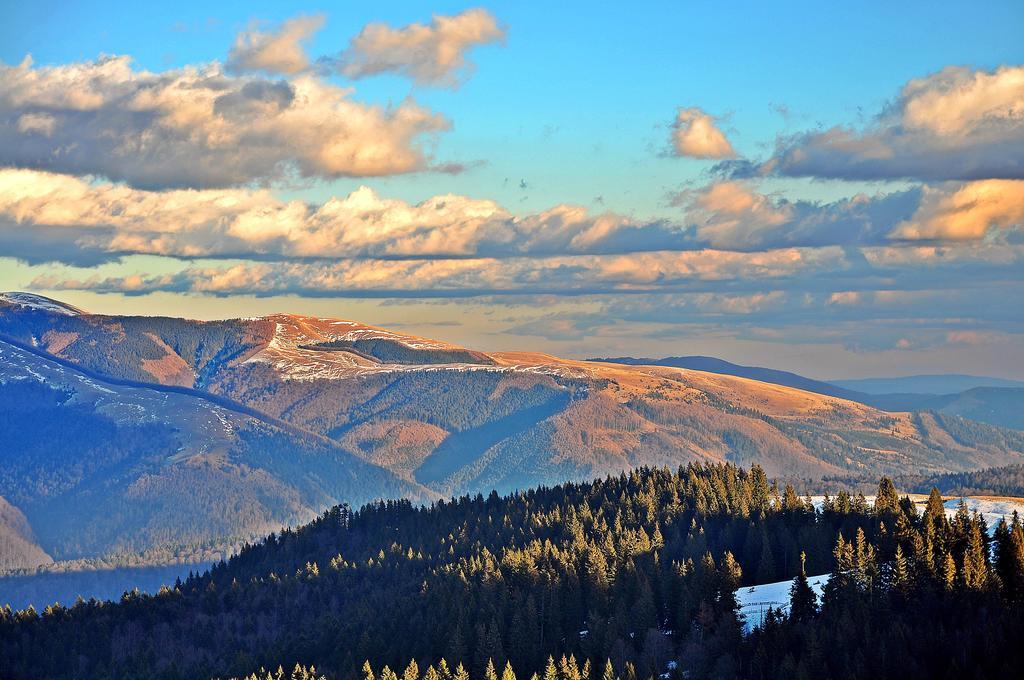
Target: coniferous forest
625	578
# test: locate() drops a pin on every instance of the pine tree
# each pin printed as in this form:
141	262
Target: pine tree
900	570
368	671
935	510
865	566
766	565
508	673
568	668
948	572
803	601
975	569
1010	564
489	672
550	671
887	502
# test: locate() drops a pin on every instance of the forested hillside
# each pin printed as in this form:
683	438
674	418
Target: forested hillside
999	481
18	547
627	577
126	475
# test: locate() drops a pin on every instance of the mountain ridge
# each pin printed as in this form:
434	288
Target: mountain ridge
432	419
1000	406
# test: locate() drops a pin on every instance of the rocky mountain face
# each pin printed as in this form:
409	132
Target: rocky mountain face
206	432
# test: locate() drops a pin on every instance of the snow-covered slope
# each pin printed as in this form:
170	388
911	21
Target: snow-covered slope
32	301
314	348
755	601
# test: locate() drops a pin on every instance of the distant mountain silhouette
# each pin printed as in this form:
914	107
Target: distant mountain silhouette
1002	406
925	384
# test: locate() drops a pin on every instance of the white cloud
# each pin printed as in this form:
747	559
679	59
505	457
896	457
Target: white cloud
114	218
732	215
37	123
957	124
77	220
274	52
474	276
695	134
964	212
959	102
433	54
200	127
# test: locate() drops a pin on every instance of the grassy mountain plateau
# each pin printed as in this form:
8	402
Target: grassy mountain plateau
148	439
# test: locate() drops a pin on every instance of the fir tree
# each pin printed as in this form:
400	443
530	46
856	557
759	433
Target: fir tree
803	600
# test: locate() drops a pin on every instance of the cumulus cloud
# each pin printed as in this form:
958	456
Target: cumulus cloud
433	54
695	134
966	212
88	221
200	127
957	124
117	219
467	277
279	51
734	215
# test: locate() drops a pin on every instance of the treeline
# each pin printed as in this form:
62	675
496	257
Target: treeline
629	577
998	481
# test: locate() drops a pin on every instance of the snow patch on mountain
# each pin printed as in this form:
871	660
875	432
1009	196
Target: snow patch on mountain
300	350
32	301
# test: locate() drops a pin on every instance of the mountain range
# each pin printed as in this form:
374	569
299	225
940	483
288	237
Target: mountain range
133	440
996	401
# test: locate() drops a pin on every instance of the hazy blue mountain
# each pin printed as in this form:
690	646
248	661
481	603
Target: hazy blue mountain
924	384
1001	406
107	472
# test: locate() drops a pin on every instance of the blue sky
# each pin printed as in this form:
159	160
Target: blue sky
576	107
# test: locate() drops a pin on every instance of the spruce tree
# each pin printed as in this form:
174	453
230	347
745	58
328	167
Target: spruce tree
935	510
900	570
948	572
975	569
887	502
803	601
550	670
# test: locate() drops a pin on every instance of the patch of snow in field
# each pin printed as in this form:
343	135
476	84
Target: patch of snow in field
992	509
755	601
